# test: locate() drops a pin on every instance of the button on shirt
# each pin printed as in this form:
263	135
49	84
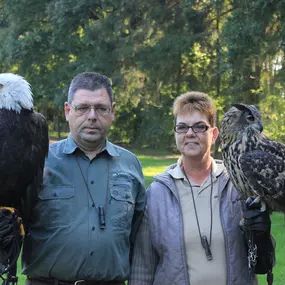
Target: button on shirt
201	271
65	240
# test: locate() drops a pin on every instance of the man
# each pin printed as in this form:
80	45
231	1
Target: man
190	231
82	226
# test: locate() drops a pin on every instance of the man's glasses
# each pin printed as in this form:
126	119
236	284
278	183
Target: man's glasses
196	128
85	109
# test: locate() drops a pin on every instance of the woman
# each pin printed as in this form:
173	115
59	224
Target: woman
190	231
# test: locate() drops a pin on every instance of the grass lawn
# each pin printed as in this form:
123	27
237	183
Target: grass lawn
154	164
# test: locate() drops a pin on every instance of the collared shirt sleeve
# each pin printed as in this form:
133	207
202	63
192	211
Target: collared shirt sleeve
138	214
139	204
145	258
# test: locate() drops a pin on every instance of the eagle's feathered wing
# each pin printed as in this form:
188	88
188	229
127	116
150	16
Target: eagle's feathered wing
256	164
23	148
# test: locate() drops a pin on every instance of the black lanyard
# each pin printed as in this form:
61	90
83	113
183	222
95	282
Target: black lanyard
101	210
204	241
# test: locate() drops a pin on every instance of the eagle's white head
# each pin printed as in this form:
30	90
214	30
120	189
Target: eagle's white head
15	93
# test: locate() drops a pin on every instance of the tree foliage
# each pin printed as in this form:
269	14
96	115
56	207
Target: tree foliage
152	51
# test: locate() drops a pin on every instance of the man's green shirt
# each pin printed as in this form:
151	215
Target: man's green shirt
64	239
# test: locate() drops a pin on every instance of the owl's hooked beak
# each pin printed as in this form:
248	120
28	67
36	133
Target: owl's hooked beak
258	126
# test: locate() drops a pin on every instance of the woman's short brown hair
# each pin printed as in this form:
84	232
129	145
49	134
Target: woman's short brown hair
195	101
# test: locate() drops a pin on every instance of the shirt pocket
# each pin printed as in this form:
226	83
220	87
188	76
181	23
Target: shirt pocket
55	206
122	202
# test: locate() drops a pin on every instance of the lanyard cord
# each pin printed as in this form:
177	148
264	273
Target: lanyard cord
206	245
101	210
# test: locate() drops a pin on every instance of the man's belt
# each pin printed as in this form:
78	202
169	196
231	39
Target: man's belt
77	282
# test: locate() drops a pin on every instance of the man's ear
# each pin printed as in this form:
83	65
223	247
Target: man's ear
66	110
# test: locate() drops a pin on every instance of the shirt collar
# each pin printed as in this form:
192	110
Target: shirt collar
71	147
110	148
217	169
176	172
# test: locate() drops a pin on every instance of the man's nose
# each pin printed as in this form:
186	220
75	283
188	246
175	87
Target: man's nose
92	114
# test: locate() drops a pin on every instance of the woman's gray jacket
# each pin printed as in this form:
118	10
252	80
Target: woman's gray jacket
159	253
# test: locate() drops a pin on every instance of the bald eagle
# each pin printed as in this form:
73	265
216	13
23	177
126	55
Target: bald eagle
23	142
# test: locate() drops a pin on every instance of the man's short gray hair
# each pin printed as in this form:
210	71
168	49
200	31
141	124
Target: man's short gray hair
91	81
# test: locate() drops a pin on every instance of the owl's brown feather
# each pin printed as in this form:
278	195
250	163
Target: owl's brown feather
256	164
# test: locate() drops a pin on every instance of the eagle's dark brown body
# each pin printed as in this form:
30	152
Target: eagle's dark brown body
256	164
23	147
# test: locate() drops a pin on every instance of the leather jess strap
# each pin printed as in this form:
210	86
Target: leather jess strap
52	281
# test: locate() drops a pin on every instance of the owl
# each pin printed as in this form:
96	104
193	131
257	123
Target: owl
255	163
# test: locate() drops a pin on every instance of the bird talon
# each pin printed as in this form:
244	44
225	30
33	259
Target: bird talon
256	203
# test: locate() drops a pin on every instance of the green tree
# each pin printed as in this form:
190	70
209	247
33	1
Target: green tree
152	51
